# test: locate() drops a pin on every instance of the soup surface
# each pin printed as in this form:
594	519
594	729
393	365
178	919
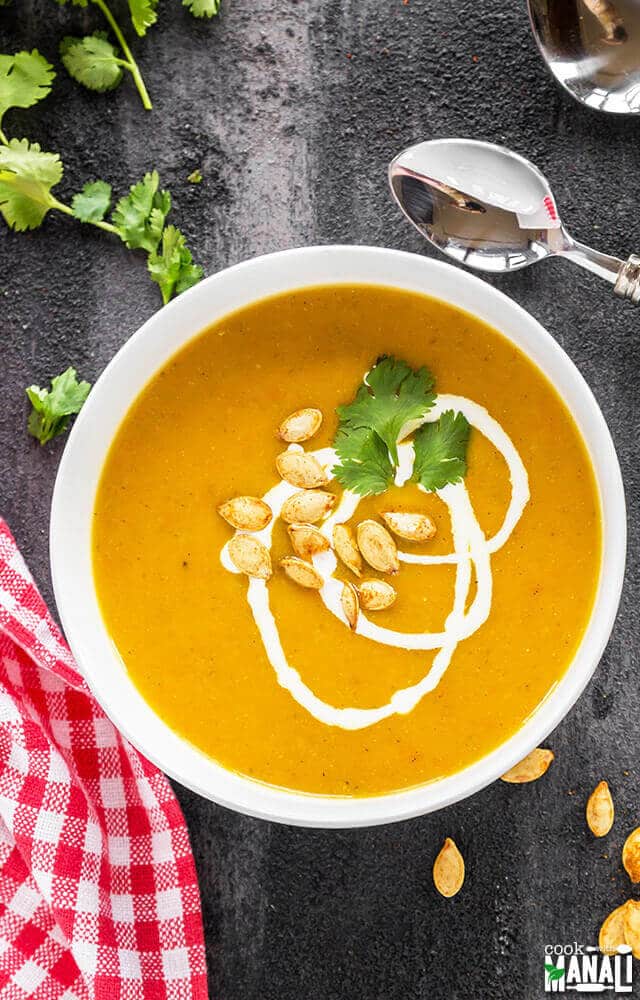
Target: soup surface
297	686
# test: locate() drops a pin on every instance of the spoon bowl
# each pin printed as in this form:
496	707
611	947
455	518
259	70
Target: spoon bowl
493	210
592	47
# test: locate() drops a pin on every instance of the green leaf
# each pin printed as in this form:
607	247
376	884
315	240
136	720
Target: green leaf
93	61
92	203
76	3
440	451
27	175
553	972
25	79
195	177
393	395
143	14
202	8
139	216
365	467
53	408
173	269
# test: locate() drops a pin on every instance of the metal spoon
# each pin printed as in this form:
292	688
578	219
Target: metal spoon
592	47
492	210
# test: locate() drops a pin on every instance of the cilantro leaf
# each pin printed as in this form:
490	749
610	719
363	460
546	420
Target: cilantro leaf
139	216
202	8
92	203
441	451
393	395
365	467
143	14
172	268
27	175
25	79
195	177
53	408
93	61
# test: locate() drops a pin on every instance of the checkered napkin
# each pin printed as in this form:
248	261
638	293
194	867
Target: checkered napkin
98	890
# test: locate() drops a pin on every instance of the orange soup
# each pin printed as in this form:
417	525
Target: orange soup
347	540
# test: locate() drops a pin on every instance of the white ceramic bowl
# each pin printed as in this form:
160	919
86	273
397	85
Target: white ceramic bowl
93	432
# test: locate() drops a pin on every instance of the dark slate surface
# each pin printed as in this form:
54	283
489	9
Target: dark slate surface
292	109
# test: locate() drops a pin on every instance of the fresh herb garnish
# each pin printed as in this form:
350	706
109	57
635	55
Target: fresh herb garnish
392	396
365	467
25	79
28	175
93	61
171	266
53	408
441	451
202	8
391	403
98	64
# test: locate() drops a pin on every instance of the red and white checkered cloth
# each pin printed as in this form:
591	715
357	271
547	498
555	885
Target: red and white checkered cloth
98	890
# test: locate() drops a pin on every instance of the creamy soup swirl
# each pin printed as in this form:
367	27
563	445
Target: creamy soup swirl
471	551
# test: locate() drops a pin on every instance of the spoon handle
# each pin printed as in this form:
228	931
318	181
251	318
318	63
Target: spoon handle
624	275
627	284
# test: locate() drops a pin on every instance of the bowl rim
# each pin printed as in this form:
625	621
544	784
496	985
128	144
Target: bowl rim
130	370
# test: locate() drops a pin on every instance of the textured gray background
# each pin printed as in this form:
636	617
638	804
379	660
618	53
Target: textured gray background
292	137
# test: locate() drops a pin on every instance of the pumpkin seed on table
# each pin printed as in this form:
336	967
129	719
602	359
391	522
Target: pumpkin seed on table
246	513
631	855
448	869
530	768
302	573
612	933
307	541
376	595
307	507
413	527
301	470
346	549
250	556
600	811
300	426
631	916
350	605
377	547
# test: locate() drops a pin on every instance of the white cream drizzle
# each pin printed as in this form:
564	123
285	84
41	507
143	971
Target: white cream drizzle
470	548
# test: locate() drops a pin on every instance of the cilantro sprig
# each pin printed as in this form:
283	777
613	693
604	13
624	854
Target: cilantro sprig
389	406
441	451
98	64
28	176
52	409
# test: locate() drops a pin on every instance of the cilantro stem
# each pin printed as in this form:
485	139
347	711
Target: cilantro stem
131	64
61	207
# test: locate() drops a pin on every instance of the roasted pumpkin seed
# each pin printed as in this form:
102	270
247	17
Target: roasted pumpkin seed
612	933
631	918
631	855
301	470
307	541
378	547
448	869
532	767
307	507
376	595
346	549
246	513
349	601
413	527
250	556
600	812
301	572
300	426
